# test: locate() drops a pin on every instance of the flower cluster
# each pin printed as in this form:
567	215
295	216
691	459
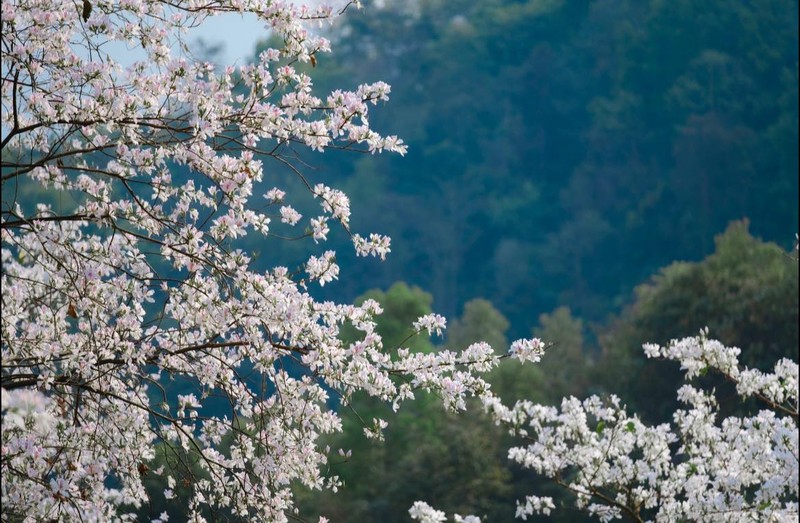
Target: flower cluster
425	513
697	468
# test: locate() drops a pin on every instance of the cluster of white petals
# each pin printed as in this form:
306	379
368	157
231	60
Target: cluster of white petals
527	350
424	513
433	323
700	467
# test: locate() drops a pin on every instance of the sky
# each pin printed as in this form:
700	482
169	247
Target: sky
236	32
239	33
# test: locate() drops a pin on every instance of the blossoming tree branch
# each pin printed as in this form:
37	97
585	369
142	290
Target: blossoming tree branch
133	281
128	307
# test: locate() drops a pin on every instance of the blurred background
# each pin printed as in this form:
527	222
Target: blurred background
562	152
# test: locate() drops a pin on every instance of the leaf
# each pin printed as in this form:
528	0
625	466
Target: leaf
71	312
630	427
600	427
87	10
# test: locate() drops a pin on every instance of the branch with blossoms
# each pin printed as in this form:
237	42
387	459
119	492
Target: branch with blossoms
698	468
139	344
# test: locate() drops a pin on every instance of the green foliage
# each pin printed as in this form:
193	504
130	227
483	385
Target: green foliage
556	147
426	453
567	364
480	321
746	293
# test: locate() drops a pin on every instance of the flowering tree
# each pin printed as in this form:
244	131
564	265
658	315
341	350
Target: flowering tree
699	468
127	305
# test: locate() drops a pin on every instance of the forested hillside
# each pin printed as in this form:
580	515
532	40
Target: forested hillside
560	152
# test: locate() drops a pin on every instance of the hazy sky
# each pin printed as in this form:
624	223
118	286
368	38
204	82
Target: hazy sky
236	32
239	34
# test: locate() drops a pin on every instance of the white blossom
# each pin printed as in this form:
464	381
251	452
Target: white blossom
433	323
424	513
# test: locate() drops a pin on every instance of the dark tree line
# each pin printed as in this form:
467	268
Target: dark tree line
561	152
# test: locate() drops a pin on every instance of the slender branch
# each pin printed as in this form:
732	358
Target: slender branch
15	129
10	224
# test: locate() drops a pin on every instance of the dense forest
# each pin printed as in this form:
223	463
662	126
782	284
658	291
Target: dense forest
561	152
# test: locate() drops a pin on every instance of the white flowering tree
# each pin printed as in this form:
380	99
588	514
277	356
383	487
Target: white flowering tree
127	305
700	467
